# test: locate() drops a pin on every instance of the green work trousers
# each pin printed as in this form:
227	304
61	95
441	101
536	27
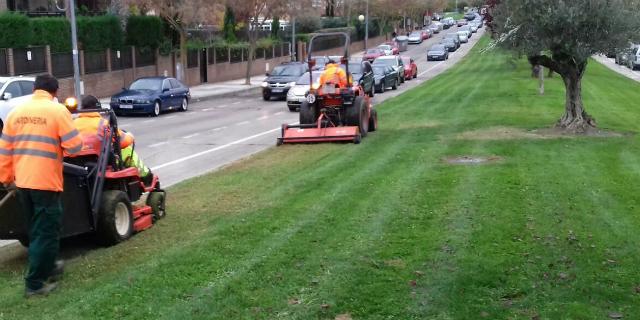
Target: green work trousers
43	210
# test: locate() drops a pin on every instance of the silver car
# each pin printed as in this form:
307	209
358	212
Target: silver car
298	93
415	37
464	36
13	92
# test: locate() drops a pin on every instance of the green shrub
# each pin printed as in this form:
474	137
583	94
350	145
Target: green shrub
333	22
55	32
229	25
275	27
16	31
308	24
99	33
144	31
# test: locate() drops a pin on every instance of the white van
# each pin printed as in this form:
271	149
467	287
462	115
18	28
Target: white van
634	58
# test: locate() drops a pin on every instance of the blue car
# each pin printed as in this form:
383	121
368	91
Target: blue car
152	96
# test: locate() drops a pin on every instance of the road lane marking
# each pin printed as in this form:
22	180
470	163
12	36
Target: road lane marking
219	128
190	136
237	102
263	118
242	123
207	109
170	117
155	145
200	154
278	113
148	121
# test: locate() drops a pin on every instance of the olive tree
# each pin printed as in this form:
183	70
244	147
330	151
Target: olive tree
562	35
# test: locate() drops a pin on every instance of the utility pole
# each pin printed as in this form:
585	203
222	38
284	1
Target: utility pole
294	45
366	27
74	43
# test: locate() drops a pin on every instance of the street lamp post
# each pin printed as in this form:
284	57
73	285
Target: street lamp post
74	42
366	25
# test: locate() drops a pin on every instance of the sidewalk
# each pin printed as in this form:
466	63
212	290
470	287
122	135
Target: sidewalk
611	64
224	89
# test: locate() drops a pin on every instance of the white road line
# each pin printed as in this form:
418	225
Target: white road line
169	117
207	109
218	129
200	154
263	118
158	144
242	123
148	121
190	136
436	65
237	102
222	106
278	113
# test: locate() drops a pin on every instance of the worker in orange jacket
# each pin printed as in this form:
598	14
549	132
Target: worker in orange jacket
34	139
92	124
333	74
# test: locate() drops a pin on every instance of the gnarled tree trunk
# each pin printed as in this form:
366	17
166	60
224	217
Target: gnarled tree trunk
575	118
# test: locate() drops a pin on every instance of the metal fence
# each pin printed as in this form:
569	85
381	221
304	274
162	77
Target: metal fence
192	58
259	53
95	62
145	57
121	59
268	53
30	60
4	68
237	55
62	64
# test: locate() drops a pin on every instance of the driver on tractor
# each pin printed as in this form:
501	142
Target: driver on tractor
334	75
91	124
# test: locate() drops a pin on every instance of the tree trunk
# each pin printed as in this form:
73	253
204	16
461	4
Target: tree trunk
183	53
252	49
575	118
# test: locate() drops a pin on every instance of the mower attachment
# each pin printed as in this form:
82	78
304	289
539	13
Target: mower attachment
305	133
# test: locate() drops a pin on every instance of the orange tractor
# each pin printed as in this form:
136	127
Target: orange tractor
331	112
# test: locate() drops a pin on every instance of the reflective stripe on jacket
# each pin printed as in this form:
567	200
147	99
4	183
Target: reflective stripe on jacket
335	75
33	141
92	123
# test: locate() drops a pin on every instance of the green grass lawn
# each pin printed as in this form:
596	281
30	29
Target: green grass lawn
456	16
386	229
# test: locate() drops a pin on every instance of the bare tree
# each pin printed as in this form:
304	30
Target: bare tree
253	12
181	14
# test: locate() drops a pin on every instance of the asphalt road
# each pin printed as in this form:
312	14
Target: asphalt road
214	133
178	146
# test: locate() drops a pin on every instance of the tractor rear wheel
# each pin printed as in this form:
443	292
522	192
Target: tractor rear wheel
357	116
156	201
373	120
308	113
115	220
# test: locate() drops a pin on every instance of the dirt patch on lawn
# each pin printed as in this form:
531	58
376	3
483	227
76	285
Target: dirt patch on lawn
472	160
511	133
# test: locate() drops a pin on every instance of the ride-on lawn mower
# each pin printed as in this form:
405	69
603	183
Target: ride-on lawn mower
331	113
98	196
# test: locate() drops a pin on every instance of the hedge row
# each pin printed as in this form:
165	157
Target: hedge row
94	33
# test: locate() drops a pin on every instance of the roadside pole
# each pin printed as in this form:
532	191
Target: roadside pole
294	46
74	43
366	27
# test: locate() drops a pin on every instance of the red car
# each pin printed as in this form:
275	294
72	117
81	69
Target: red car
425	34
394	47
462	22
410	68
372	54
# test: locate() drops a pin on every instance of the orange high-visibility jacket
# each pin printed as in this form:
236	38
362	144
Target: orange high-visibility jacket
91	124
333	74
32	144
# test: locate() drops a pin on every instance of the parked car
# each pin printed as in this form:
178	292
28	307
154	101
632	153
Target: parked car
320	62
470	16
372	54
453	36
449	22
393	61
473	26
426	34
467	29
437	52
363	74
434	28
410	68
388	50
14	91
462	22
385	77
152	96
283	77
622	56
436	17
464	36
449	44
415	37
298	93
634	58
402	42
394	47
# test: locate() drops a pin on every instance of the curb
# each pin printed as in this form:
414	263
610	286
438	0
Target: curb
238	93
